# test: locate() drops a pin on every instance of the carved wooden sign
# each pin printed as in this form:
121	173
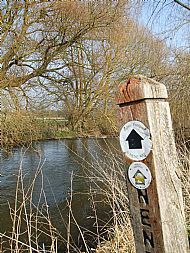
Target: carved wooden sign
154	187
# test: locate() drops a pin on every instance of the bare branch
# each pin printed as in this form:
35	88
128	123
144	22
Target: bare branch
182	4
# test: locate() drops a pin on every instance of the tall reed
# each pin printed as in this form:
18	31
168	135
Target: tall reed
107	185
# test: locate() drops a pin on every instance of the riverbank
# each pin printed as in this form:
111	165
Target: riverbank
21	129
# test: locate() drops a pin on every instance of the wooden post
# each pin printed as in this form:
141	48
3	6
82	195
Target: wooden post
156	203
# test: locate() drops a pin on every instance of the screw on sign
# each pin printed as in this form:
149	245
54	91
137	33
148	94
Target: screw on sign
135	140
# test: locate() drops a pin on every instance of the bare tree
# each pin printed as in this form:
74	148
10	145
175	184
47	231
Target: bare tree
96	65
175	32
77	52
35	35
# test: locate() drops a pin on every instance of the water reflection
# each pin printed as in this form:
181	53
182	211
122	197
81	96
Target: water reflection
58	161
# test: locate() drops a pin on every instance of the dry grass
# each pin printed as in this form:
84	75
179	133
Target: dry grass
21	128
30	222
18	129
184	158
107	179
107	173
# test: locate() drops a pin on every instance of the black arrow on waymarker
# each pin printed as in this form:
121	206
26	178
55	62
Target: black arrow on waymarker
135	140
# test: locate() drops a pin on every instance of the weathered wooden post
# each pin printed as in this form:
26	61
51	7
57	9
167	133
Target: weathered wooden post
155	194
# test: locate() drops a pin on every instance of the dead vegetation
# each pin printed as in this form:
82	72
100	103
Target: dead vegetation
30	222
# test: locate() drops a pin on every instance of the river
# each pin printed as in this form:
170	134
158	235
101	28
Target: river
65	172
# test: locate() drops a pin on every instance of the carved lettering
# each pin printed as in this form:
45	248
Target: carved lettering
144	217
143	196
145	220
148	239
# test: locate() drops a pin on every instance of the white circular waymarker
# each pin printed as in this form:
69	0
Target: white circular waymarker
139	175
135	140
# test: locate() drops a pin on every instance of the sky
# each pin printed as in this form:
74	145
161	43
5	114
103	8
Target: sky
168	21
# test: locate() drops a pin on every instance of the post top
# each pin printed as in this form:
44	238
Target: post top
139	87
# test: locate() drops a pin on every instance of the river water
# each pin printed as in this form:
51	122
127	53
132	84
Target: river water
65	173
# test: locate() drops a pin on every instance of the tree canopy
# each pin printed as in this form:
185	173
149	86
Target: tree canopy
73	54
